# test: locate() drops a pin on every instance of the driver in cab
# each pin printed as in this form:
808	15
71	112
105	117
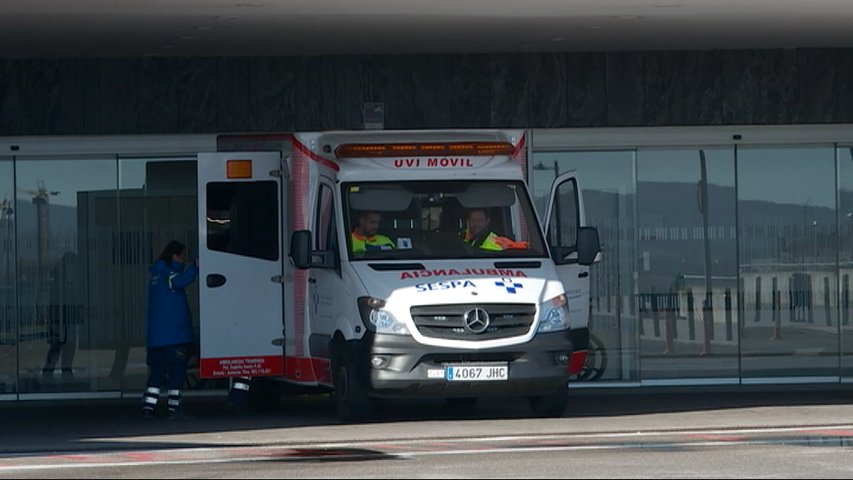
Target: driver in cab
365	236
479	235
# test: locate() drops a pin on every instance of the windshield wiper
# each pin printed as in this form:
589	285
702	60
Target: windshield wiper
391	267
507	265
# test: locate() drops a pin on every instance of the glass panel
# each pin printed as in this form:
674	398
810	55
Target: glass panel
158	203
688	256
564	222
606	181
324	222
242	218
845	255
788	254
8	344
62	241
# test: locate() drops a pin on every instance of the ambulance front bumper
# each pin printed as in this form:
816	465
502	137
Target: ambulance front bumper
398	367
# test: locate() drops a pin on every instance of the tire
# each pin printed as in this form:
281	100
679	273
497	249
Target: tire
552	405
350	396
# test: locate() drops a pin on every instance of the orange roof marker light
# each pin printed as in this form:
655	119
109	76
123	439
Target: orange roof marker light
238	168
363	150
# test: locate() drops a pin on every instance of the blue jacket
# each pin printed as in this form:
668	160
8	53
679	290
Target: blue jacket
169	321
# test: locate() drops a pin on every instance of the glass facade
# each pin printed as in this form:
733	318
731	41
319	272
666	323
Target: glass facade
78	234
8	325
845	255
687	278
788	261
608	185
723	262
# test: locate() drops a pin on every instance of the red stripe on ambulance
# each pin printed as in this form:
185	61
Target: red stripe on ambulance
242	366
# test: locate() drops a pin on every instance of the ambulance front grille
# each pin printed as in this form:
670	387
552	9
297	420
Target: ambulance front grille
506	320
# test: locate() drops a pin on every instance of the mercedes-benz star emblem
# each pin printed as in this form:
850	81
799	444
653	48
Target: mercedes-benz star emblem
476	320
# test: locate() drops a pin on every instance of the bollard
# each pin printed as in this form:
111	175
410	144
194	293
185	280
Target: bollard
792	301
778	323
740	304
712	332
670	333
728	304
826	303
777	315
641	309
708	322
845	300
673	298
691	315
757	299
810	300
655	318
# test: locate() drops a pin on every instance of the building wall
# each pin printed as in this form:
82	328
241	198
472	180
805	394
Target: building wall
536	90
549	93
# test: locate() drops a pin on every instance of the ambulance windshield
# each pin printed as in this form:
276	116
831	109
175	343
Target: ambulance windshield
440	220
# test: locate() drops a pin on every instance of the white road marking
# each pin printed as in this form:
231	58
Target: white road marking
302	452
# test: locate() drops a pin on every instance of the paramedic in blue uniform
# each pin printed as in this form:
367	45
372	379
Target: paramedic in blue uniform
170	330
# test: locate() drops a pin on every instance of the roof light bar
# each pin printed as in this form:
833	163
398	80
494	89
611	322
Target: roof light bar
362	150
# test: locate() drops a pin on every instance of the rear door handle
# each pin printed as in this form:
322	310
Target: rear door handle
583	274
312	280
215	280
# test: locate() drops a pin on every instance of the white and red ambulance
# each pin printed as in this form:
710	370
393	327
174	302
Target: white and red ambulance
284	294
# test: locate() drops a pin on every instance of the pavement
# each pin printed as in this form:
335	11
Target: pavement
105	425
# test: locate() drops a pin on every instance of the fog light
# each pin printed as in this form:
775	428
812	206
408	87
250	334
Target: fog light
379	362
562	358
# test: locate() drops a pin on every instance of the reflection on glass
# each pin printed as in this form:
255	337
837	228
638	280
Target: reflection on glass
845	255
61	238
606	180
157	203
688	276
788	253
8	344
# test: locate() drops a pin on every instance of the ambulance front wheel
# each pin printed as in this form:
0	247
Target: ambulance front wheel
351	399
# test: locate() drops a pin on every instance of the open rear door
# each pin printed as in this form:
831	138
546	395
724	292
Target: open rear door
564	219
241	258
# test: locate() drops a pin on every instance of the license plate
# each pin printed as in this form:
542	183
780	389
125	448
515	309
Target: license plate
476	373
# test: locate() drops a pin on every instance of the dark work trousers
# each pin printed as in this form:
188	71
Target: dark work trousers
166	364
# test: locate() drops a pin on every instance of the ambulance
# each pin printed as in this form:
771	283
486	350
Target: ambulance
291	289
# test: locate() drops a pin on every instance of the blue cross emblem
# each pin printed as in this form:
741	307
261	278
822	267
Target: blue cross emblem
509	285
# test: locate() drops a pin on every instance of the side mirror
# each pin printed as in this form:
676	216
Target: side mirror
588	245
300	249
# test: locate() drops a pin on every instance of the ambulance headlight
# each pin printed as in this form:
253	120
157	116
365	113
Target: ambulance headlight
377	319
554	315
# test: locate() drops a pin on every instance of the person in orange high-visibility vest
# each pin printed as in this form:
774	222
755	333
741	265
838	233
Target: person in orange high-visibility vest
365	237
477	234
